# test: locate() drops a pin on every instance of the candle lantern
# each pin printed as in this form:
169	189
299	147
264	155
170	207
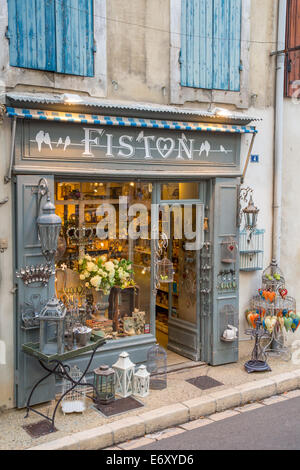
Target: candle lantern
251	215
124	370
52	331
104	385
49	225
141	382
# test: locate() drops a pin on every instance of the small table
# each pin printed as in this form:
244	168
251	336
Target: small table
60	369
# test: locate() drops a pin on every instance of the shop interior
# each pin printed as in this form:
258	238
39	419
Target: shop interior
95	226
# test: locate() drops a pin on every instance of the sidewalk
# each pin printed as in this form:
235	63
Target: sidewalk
181	402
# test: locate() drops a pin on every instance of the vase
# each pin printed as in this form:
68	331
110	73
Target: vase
101	303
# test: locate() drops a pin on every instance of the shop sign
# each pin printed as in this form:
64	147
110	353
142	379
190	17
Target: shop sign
79	142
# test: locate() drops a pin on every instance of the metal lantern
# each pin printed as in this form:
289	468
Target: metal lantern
141	382
124	370
251	214
104	385
52	331
49	225
157	366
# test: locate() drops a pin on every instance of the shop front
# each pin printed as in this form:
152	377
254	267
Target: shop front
149	232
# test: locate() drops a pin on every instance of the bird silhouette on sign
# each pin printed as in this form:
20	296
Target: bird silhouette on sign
43	138
67	143
205	147
222	149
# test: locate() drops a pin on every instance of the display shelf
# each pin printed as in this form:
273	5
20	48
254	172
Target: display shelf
166	307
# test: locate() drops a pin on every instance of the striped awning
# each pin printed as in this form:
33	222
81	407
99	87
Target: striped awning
122	121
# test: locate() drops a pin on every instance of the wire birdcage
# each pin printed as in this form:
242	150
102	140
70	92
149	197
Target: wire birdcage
273	277
75	400
165	271
229	251
157	367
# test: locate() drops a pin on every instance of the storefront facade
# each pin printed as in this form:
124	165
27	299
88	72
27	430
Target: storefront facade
96	163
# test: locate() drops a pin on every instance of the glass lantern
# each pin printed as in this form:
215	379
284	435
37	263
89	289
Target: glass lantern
165	271
49	225
104	383
52	327
124	370
251	215
141	382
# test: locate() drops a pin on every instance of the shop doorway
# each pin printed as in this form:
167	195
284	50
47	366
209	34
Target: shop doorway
177	308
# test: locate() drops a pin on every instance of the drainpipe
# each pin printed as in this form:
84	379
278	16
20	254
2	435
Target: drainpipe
278	140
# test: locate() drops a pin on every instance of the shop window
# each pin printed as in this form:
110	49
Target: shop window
102	274
292	41
52	35
179	191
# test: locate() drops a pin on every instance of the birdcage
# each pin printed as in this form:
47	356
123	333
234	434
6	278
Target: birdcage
157	367
75	400
273	277
229	251
252	251
165	271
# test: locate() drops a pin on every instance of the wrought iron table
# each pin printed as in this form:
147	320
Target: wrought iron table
56	365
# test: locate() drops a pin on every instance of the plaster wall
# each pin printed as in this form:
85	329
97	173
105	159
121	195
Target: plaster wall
6	279
259	177
290	241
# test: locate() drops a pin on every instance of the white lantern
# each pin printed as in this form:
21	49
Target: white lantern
141	382
124	370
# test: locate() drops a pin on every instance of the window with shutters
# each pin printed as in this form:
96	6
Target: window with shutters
210	56
211	44
52	35
292	42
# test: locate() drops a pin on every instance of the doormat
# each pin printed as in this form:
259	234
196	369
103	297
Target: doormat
204	383
118	407
39	429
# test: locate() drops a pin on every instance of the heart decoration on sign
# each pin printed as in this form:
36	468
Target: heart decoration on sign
165	146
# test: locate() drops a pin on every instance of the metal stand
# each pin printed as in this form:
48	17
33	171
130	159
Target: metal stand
258	360
60	370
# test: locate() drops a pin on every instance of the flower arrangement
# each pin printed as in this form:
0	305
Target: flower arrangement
102	274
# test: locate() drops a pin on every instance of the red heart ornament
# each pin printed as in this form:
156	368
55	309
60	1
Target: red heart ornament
283	293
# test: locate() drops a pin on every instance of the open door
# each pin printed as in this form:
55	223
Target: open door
29	298
225	303
184	219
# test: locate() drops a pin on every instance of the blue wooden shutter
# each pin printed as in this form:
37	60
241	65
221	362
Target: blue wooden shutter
31	26
210	44
75	37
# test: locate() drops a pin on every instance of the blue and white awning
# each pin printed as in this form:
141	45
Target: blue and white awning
58	116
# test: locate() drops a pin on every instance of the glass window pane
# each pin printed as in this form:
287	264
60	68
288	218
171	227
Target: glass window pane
179	191
102	274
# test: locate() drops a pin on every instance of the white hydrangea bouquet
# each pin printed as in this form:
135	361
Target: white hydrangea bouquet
102	274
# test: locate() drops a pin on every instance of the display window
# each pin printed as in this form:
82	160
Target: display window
103	261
